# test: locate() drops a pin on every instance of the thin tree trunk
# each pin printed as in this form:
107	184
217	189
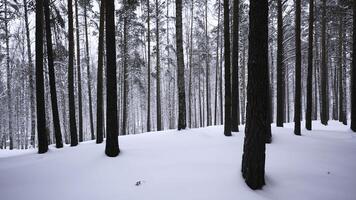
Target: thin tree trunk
72	121
126	86
158	68
308	113
180	65
324	69
207	84
191	63
298	64
280	69
100	97
217	65
235	110
88	72
80	107
227	124
52	78
148	68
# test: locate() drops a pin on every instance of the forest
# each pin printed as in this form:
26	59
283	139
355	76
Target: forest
85	73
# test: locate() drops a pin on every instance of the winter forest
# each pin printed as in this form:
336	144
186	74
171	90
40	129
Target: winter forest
148	99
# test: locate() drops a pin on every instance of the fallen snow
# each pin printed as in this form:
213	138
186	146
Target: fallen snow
196	164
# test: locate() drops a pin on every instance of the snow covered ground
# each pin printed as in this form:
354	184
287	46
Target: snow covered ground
196	164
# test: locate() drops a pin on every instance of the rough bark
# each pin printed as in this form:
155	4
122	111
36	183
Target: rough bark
253	159
112	141
180	65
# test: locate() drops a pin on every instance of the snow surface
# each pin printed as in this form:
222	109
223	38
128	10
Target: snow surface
195	164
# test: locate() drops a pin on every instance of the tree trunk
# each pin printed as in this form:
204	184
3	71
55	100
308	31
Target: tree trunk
158	68
52	79
253	159
235	110
324	69
353	72
191	63
308	114
227	124
126	75
148	68
72	121
298	65
243	86
280	68
207	84
180	65
217	65
80	107
99	98
112	141
221	80
40	100
88	72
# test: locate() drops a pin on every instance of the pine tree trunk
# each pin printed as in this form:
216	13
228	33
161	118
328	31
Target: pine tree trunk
158	68
227	124
324	69
221	80
180	65
253	159
298	65
280	68
207	55
88	72
40	100
148	68
217	65
243	86
72	121
80	107
52	78
112	141
308	114
353	72
126	86
191	63
100	97
235	110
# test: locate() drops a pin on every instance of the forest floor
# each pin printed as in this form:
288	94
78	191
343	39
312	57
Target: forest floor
195	164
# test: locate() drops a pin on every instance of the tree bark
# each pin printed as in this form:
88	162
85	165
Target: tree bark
52	78
80	107
235	110
227	124
298	65
158	68
324	69
180	65
253	159
280	68
112	141
309	110
207	84
148	68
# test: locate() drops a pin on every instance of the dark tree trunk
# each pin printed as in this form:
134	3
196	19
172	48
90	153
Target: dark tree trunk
112	140
72	121
227	124
353	72
40	100
99	98
253	159
324	69
191	63
340	76
207	83
180	65
88	72
235	110
298	65
280	68
158	68
148	69
52	79
309	110
80	107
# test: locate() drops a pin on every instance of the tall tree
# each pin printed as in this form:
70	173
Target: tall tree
308	113
353	72
191	62
280	68
324	69
207	84
235	109
79	73
148	68
217	64
88	69
158	69
30	77
340	78
52	78
298	66
180	65
99	98
227	124
72	121
112	141
40	100
253	158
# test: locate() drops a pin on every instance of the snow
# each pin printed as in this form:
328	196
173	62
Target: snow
195	164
